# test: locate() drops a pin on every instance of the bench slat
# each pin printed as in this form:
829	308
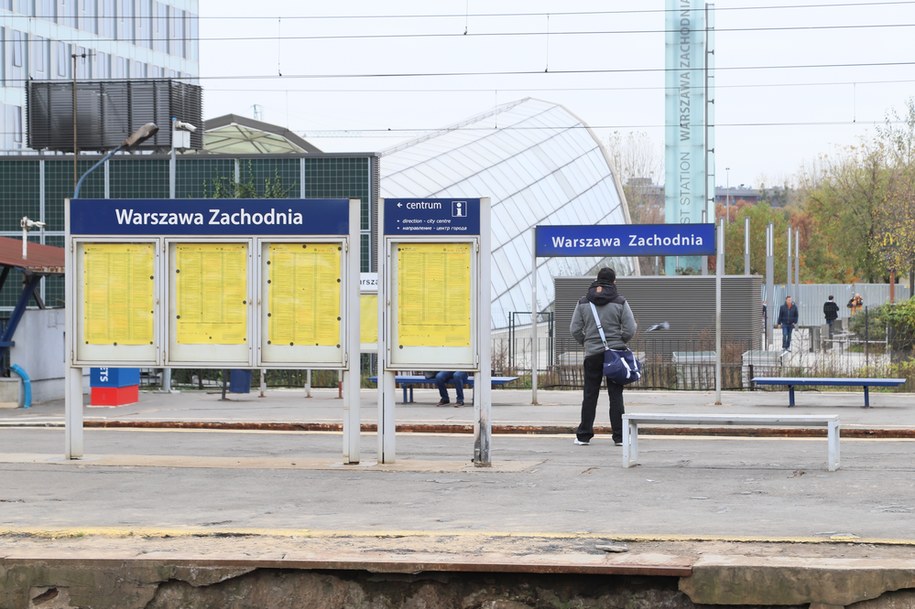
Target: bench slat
791	382
849	382
733	419
631	428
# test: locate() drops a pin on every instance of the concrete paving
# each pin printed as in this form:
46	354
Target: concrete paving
891	411
191	470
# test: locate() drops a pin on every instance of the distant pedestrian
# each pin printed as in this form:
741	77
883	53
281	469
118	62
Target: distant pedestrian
619	327
855	303
787	319
831	312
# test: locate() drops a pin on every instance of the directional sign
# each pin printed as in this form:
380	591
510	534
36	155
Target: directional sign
626	240
432	217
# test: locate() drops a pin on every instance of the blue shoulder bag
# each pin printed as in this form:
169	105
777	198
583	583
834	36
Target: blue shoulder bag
620	365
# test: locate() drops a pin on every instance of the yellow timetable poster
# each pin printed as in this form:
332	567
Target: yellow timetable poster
211	291
368	319
304	294
433	294
118	293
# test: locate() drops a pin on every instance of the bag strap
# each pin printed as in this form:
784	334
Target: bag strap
600	328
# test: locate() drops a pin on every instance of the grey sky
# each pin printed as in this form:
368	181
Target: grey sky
794	80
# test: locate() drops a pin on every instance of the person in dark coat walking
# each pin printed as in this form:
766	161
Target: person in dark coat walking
787	319
619	326
831	311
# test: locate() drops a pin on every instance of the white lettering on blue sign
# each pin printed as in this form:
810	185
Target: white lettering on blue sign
586	242
654	240
423	205
216	217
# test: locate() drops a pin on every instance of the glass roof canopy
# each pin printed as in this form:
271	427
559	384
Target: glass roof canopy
539	164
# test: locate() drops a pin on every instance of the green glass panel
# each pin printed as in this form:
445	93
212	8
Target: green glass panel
19	189
140	178
195	177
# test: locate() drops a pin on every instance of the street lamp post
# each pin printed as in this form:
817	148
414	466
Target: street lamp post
727	195
134	139
73	404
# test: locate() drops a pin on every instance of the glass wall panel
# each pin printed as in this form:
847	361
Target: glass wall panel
125	22
87	17
143	24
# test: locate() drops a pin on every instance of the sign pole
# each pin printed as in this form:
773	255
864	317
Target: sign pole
387	437
719	271
483	383
534	316
351	373
73	383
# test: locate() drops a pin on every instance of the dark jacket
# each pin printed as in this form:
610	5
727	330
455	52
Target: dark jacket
831	310
786	315
616	318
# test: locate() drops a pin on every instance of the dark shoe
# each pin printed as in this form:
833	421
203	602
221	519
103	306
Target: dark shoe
443	403
459	403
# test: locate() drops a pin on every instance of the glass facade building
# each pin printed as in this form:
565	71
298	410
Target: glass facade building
99	39
538	164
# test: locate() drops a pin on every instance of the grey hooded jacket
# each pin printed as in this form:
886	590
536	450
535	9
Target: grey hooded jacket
615	316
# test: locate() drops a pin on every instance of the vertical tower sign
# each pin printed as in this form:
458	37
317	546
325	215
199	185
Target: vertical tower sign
687	133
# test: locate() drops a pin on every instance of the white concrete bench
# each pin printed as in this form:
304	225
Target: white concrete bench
631	428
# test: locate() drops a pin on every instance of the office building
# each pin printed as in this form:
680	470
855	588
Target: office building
90	40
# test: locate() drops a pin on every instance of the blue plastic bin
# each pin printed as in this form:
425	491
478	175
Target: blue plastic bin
114	377
239	381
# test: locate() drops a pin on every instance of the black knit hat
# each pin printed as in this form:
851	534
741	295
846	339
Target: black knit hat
606	275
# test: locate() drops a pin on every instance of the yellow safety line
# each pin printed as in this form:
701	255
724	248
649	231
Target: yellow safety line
151	532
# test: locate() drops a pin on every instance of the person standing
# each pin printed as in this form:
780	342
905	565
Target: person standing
787	319
457	378
831	312
619	327
855	303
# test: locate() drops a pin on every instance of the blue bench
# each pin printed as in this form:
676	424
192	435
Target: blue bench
831	382
408	382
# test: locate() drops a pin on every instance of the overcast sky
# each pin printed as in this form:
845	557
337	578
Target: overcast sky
794	81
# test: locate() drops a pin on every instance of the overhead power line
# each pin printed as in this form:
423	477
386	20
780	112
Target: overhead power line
642	32
427	90
373	75
561	13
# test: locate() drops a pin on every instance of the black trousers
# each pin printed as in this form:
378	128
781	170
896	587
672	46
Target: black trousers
594	369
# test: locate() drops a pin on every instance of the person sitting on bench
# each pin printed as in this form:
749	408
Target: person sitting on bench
457	378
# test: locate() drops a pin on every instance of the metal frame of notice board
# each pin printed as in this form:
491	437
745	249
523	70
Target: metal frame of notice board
221	283
434	304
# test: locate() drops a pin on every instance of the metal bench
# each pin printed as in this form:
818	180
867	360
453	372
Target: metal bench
631	428
408	382
791	382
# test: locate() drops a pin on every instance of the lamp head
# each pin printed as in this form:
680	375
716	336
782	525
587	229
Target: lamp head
140	135
26	223
185	126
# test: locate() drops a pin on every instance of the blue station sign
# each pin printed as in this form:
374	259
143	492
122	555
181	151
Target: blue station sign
209	217
428	217
625	240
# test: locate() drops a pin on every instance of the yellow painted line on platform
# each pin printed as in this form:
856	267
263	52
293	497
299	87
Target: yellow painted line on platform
154	532
269	462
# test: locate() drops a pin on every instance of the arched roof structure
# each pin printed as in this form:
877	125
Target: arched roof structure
539	164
